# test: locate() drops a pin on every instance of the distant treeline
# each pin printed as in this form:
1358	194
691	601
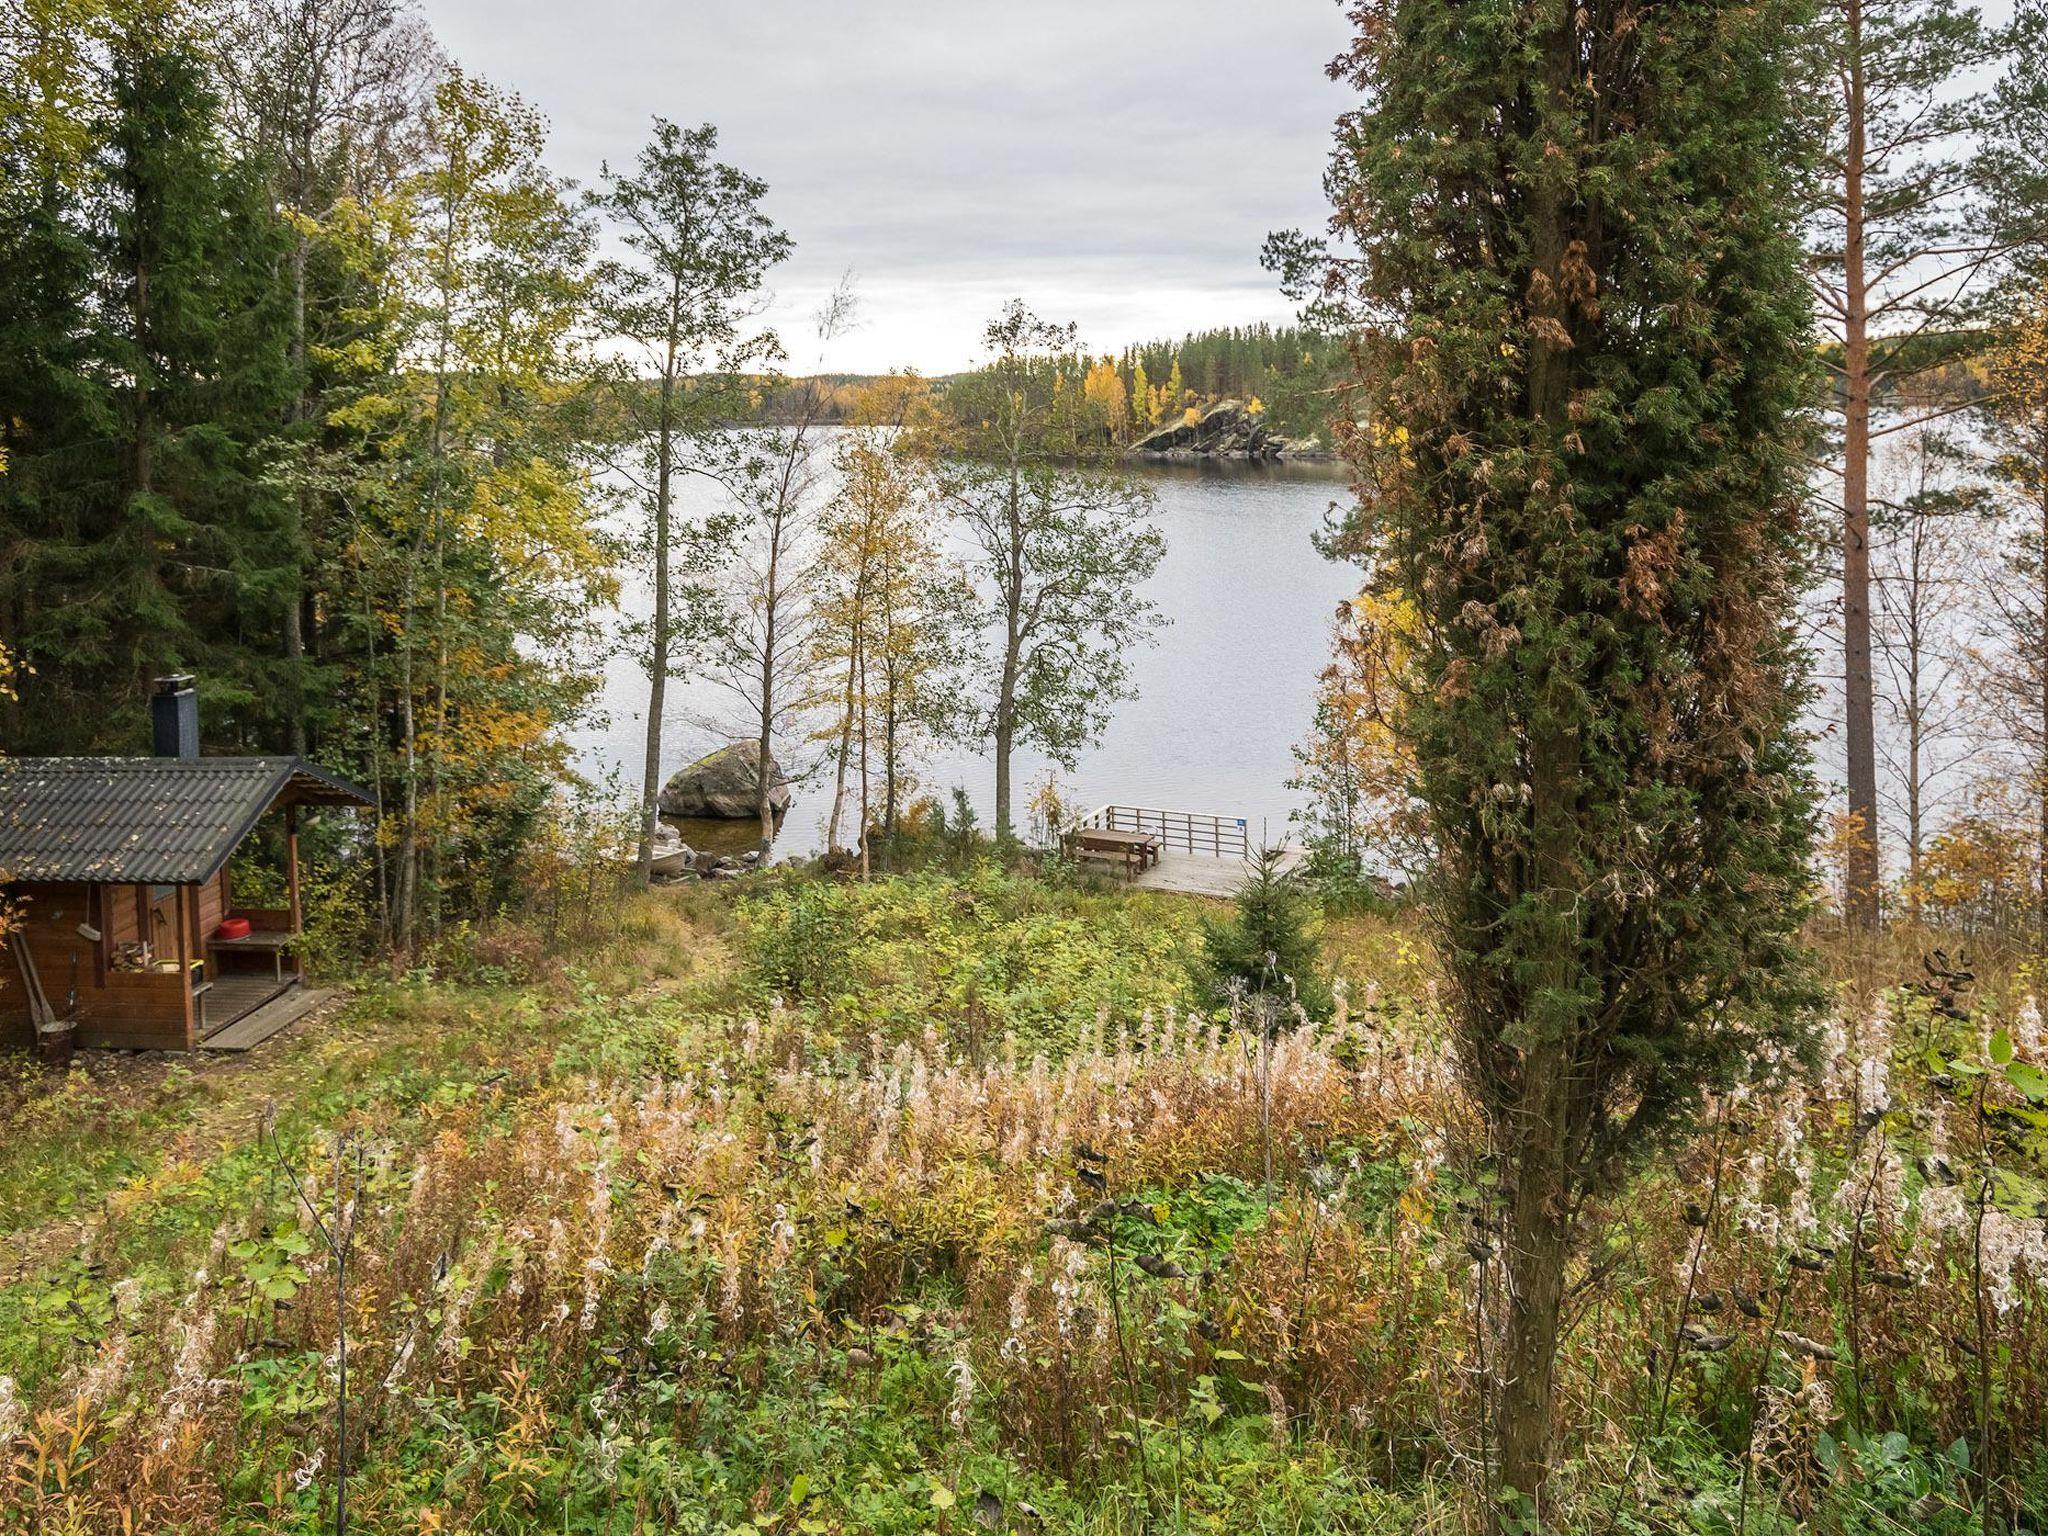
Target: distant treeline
1287	371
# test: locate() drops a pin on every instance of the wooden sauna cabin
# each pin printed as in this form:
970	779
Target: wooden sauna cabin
115	871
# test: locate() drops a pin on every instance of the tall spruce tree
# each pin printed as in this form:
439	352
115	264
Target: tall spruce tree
56	400
189	567
1582	344
152	322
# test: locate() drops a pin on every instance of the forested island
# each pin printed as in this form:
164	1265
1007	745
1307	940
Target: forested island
1283	379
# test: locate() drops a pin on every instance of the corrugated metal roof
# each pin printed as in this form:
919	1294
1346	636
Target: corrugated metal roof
156	820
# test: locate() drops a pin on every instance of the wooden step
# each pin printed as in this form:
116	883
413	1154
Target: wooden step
254	1028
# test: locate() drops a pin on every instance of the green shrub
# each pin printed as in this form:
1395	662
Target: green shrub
978	957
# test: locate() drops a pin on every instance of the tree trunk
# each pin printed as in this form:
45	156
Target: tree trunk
658	640
844	755
1005	734
1013	654
1535	1124
142	465
1859	724
302	410
2041	685
405	896
866	868
1916	724
889	752
1538	1244
764	806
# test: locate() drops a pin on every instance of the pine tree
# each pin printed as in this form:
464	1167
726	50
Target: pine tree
1584	341
1899	262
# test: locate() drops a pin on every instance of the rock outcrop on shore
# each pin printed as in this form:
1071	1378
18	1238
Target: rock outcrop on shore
724	785
1226	430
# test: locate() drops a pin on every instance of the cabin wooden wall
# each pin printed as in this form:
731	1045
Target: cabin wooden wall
131	1010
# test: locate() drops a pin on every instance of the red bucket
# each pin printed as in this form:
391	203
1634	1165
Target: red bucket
232	928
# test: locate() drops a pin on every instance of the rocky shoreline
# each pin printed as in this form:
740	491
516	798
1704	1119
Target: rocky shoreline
1226	430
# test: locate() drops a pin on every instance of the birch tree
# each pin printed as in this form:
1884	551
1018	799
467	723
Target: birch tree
1058	550
891	612
327	95
1927	559
763	652
698	249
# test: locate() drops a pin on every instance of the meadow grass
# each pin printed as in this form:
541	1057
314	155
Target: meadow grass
932	1206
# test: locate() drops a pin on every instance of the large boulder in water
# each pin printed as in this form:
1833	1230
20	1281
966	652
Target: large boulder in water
724	784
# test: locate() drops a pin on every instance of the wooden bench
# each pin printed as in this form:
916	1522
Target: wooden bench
1136	851
262	941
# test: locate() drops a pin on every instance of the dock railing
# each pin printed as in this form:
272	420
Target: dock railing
1195	832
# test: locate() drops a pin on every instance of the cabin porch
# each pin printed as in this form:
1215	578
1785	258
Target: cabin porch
143	966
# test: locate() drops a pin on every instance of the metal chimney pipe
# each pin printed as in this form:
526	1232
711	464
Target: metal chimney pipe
174	717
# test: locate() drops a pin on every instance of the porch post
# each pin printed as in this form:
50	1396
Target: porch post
291	863
183	921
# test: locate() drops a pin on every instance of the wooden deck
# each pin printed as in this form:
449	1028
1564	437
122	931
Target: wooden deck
232	998
1201	854
283	1008
1196	874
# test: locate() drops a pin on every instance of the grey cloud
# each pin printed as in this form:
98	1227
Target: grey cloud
1089	155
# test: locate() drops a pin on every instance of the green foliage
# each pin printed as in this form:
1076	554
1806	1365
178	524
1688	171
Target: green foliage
1055	550
1292	371
627	1246
1583	380
1602	429
979	958
472	567
1269	947
141	422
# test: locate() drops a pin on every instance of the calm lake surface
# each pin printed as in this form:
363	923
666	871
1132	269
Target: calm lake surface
1224	692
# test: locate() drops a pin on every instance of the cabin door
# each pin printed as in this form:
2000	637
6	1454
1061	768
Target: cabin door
162	926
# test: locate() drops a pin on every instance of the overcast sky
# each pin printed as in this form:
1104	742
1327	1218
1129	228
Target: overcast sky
1112	162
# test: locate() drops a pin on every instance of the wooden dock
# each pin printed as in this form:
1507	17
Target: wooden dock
1200	854
1195	874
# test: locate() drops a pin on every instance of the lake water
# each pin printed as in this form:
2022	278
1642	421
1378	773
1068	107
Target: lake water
1224	692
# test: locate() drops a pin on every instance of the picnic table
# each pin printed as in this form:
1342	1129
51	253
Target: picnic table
1136	851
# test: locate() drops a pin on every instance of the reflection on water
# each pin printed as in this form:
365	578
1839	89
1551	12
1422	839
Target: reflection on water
1223	695
717	835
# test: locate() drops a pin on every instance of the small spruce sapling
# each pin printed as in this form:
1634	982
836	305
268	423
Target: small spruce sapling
1268	947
